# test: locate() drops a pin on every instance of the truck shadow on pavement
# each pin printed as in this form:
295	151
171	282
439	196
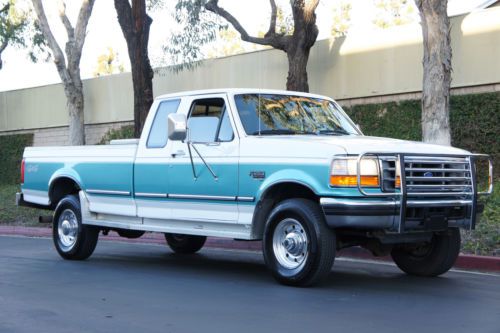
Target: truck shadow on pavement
249	268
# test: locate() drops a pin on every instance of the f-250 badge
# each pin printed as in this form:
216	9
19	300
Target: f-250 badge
257	174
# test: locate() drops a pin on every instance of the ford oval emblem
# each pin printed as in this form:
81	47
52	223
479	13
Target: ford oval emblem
428	174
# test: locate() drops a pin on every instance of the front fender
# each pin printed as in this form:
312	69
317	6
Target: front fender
290	176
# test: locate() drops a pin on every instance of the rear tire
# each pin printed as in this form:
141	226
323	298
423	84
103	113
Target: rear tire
431	258
130	234
298	247
72	239
185	244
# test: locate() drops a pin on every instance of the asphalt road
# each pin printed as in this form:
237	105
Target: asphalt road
146	288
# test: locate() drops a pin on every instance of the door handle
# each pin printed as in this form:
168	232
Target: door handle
178	153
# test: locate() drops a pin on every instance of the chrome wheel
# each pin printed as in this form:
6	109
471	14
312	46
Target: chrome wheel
67	229
290	244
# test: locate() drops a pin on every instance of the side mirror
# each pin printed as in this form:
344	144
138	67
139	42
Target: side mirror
177	126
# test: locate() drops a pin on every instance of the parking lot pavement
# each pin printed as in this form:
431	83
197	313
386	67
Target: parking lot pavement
128	287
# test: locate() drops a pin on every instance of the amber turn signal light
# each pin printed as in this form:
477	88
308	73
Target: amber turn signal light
349	181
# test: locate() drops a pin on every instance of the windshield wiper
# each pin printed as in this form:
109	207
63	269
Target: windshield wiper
280	131
337	131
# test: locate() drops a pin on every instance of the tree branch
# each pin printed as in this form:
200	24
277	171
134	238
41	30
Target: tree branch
3	45
51	41
2	48
272	22
274	40
81	26
309	9
5	8
67	24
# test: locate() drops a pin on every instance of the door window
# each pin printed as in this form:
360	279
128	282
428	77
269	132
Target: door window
209	121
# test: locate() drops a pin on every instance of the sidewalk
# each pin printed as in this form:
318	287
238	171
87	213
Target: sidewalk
464	261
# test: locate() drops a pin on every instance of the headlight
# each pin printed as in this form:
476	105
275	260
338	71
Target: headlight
344	172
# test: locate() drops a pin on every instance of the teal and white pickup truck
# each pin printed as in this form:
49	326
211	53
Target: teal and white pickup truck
287	168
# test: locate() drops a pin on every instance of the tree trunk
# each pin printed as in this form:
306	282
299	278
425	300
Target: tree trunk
437	71
75	105
299	45
142	80
143	96
135	25
297	70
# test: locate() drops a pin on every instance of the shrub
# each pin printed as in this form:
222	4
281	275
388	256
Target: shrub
11	148
14	215
124	132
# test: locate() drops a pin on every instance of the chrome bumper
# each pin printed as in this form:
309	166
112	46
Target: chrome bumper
359	214
377	214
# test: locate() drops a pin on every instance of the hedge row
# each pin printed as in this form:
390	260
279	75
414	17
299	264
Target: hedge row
11	149
124	132
474	120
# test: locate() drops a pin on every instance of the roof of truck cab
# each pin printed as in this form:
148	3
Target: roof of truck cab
233	91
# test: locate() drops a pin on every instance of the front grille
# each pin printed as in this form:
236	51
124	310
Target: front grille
388	174
430	176
438	176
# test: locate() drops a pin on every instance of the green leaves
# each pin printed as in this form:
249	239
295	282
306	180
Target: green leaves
18	28
11	148
198	27
124	132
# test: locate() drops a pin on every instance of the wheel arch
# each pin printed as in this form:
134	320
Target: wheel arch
276	193
61	185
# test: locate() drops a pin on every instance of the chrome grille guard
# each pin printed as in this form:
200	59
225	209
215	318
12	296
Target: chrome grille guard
446	190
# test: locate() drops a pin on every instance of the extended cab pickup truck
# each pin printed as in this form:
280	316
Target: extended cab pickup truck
287	168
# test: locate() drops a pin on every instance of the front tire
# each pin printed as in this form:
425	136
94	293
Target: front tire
431	258
72	239
298	246
185	244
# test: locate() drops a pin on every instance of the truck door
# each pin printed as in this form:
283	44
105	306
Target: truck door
151	170
199	191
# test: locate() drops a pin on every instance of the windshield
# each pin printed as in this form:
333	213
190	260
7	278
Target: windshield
269	114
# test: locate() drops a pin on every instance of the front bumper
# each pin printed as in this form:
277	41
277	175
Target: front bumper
366	213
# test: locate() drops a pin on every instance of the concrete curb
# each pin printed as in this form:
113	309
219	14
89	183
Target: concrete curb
464	261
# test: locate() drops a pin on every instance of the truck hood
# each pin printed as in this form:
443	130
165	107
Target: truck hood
361	144
311	146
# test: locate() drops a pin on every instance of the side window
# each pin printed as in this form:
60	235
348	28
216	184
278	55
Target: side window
158	134
209	121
